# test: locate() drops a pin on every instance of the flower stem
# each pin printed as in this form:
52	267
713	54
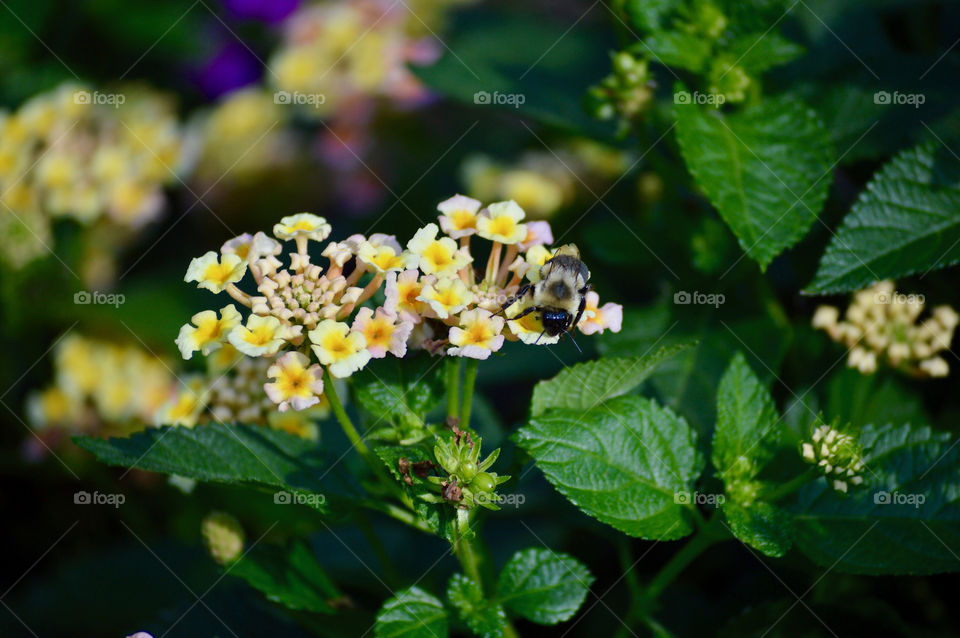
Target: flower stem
453	387
791	486
702	539
469	380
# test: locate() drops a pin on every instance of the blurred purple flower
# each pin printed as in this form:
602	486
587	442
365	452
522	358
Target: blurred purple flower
233	66
270	11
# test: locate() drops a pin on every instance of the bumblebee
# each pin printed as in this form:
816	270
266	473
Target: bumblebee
559	298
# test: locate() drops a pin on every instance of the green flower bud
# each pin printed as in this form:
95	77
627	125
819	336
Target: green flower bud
467	470
484	482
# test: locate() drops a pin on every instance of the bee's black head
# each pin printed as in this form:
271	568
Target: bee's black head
556	322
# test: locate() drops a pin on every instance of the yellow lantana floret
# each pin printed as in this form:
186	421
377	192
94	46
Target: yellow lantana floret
302	225
383	258
261	336
207	332
215	272
446	296
342	351
296	384
459	216
435	256
501	222
477	336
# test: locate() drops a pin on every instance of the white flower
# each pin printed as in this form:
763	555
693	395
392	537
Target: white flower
261	336
435	256
446	297
459	218
342	351
382	332
302	225
477	335
296	384
207	332
501	222
215	272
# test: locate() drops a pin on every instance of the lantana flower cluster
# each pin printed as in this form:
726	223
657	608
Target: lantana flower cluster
310	324
882	324
78	153
100	387
837	455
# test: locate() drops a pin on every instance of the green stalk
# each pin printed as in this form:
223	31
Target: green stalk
702	539
469	557
453	387
469	381
791	486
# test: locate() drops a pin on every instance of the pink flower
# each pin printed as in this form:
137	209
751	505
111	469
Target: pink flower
538	234
296	385
598	319
382	332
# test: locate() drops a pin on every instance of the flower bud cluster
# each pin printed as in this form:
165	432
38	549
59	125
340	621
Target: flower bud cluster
835	454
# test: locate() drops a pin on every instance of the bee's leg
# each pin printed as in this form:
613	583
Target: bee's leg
514	299
524	313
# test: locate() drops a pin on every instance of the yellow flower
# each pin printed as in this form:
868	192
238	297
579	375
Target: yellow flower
185	408
342	351
435	256
446	297
402	290
536	257
384	255
529	329
261	335
382	332
302	225
536	192
209	333
297	422
215	274
501	222
297	384
52	406
477	336
459	217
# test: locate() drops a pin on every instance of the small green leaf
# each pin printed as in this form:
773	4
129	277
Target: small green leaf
289	575
905	520
761	525
224	454
400	391
622	462
746	435
906	221
766	169
412	613
649	15
543	586
484	618
677	49
439	517
587	384
758	52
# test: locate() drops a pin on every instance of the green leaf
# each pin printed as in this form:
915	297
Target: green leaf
622	462
861	399
882	528
587	384
758	52
766	169
543	586
677	49
906	221
439	517
746	435
761	525
400	391
222	454
649	15
412	613
484	618
289	575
